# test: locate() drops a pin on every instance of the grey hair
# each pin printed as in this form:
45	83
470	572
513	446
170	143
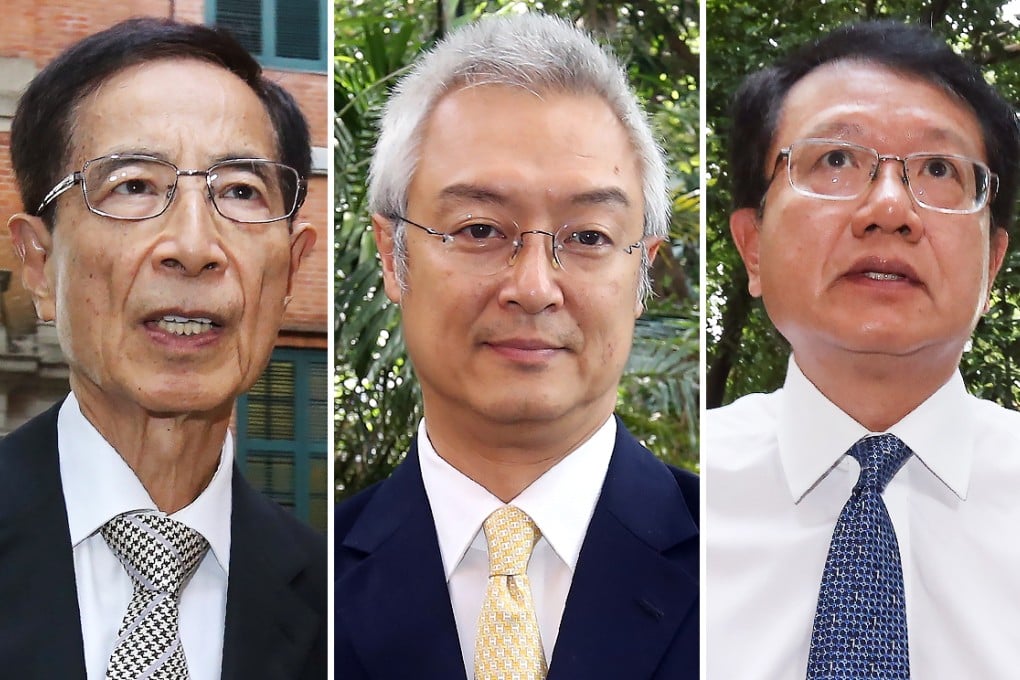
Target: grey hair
540	53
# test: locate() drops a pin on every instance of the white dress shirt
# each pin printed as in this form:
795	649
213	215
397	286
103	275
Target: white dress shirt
98	485
777	478
560	502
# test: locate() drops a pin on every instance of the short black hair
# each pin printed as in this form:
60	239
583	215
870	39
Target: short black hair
41	130
907	48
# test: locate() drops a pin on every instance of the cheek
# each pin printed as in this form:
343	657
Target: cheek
262	271
606	319
263	287
796	251
443	298
85	285
956	274
90	293
263	314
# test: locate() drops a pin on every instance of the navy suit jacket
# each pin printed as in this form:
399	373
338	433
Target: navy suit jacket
632	609
276	592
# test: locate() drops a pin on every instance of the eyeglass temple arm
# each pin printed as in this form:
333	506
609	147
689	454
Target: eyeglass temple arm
61	187
302	194
428	230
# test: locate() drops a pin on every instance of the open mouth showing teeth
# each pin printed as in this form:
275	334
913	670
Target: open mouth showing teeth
881	276
182	325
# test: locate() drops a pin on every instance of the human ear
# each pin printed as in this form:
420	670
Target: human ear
652	249
33	244
302	239
998	245
746	231
382	229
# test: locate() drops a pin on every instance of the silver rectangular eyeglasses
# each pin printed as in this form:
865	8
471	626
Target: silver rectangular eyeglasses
140	187
841	171
484	246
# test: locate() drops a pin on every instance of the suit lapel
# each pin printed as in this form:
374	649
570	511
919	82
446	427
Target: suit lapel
636	583
269	629
40	625
394	603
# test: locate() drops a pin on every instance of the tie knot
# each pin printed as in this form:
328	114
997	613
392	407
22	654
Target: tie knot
159	553
511	536
881	458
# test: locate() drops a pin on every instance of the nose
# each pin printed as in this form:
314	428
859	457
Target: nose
531	281
191	241
887	205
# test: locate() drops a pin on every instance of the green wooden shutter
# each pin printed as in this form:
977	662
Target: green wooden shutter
243	18
287	34
282	424
298	29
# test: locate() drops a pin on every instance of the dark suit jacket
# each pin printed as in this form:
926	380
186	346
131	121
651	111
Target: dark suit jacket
632	609
276	591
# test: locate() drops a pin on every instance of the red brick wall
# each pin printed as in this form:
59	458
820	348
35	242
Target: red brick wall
17	303
41	29
307	311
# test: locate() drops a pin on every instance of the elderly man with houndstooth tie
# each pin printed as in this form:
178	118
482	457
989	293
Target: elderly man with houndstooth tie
161	174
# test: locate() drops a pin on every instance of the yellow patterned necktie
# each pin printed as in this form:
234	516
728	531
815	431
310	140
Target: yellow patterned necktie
509	644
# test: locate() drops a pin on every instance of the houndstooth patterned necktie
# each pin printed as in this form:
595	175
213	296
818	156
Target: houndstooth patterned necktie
860	628
160	554
509	644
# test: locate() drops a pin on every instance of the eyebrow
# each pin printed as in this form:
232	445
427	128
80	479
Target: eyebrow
474	192
241	155
842	130
135	151
837	129
602	196
153	153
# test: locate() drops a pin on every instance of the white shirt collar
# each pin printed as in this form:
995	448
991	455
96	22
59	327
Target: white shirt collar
814	434
561	502
98	485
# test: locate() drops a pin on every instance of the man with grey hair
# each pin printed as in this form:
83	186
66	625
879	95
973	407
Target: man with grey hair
518	199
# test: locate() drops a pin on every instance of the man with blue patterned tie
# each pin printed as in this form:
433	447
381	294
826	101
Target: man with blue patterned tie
856	516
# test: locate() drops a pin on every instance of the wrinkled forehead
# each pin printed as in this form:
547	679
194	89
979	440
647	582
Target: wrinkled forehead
872	103
173	107
835	99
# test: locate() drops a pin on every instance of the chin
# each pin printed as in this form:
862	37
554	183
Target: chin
182	397
163	408
523	408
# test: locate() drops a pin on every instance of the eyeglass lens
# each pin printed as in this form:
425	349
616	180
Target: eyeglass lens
137	188
486	248
831	169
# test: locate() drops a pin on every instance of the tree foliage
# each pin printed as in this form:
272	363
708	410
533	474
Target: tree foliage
745	353
377	401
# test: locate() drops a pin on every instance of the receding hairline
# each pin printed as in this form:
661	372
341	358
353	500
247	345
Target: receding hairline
87	97
539	90
930	79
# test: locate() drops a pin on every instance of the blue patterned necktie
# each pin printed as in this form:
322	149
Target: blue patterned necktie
860	628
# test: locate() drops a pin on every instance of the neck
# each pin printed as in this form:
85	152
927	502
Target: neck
878	390
507	457
174	456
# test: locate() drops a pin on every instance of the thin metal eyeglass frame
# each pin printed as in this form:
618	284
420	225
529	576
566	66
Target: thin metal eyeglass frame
993	179
78	177
517	243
